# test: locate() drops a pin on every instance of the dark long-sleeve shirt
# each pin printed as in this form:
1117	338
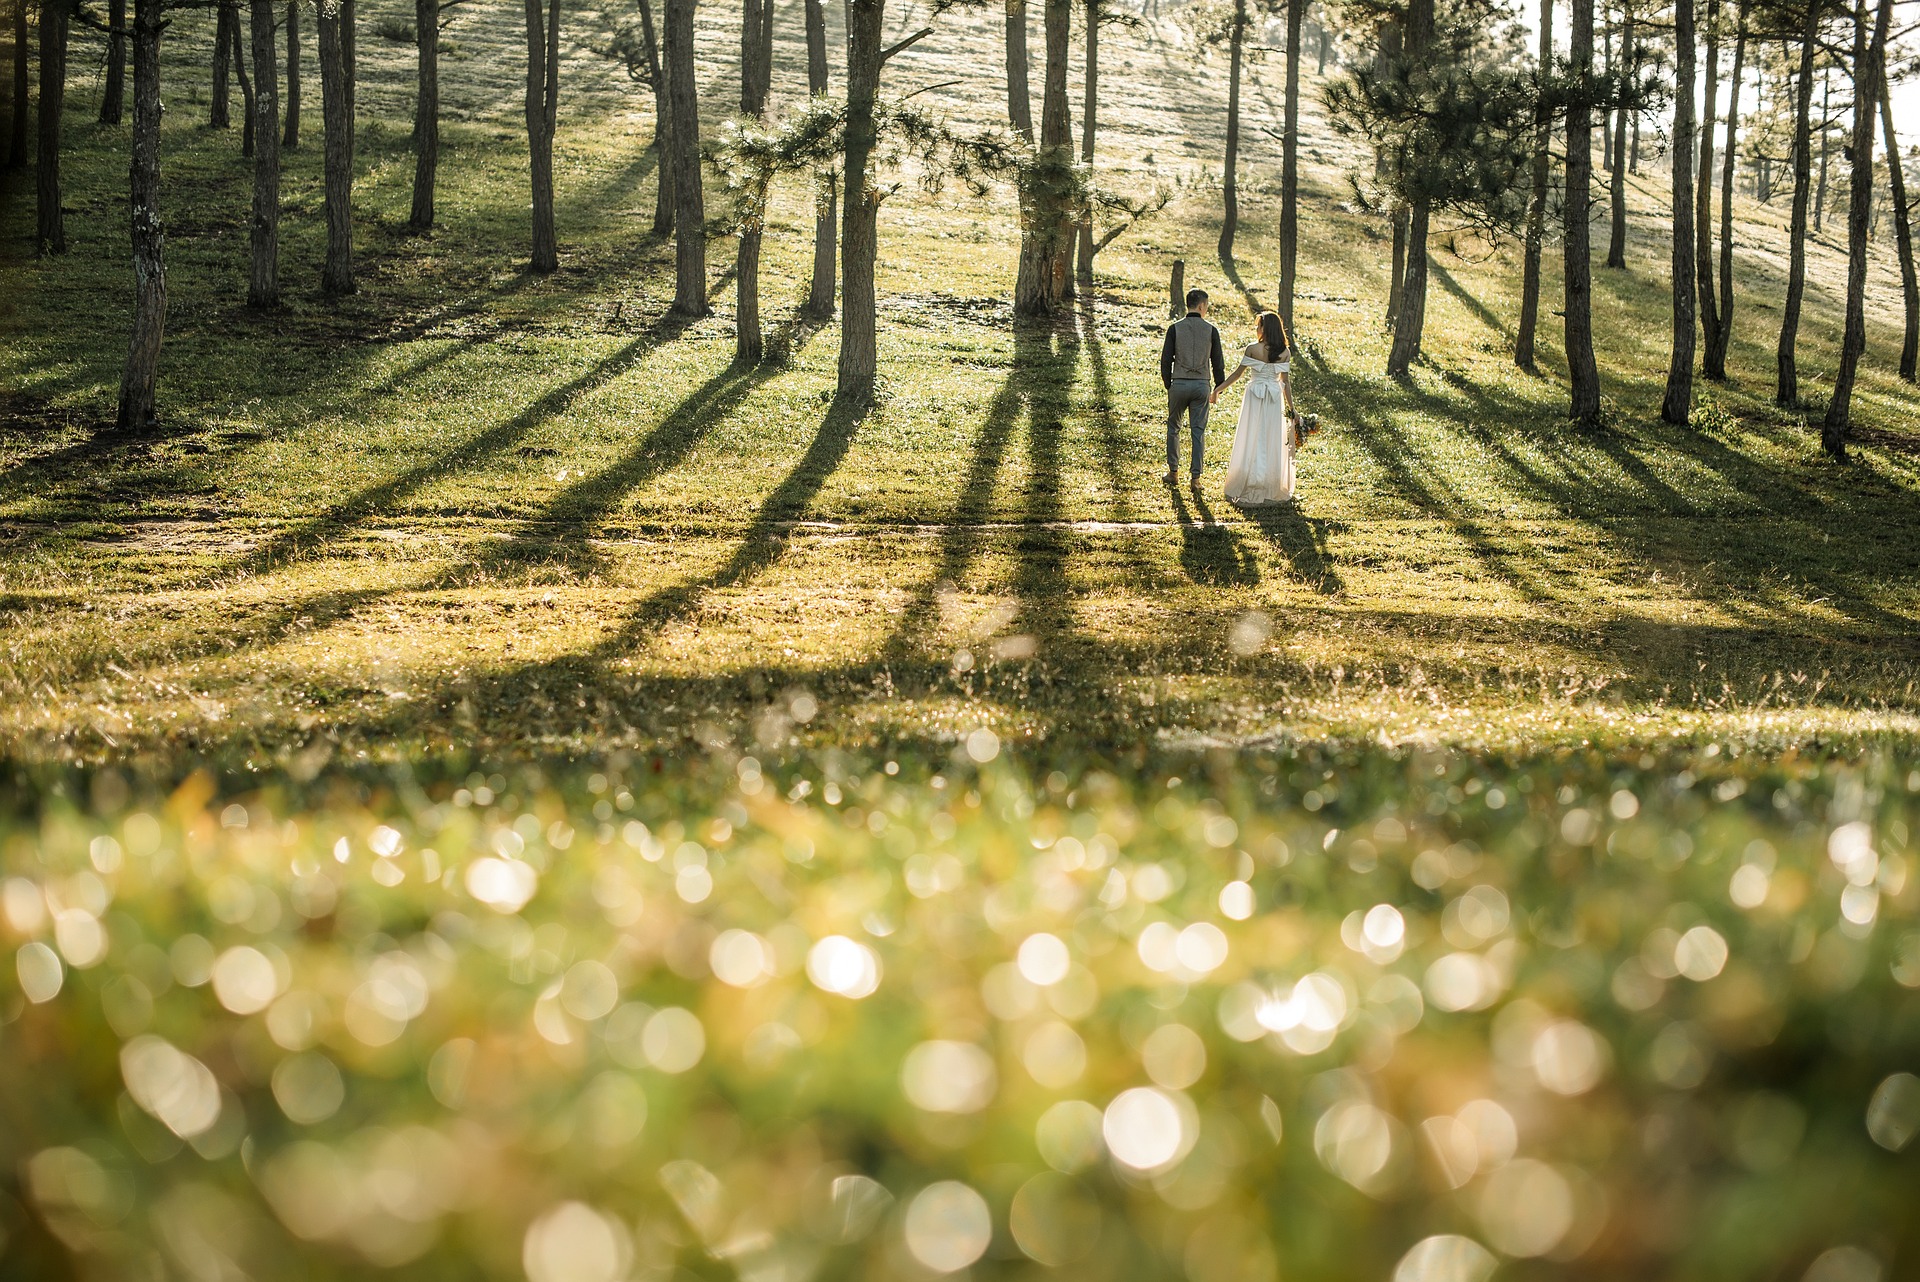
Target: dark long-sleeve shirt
1186	355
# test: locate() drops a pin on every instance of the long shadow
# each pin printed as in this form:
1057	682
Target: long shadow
1480	310
1044	359
1113	450
1231	271
1303	542
1211	553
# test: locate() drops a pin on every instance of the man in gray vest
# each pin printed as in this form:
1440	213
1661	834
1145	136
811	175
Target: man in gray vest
1190	354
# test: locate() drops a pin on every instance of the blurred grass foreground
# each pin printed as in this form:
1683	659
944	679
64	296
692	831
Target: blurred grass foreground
1333	1014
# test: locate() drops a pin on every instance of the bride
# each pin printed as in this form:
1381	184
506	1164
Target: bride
1260	469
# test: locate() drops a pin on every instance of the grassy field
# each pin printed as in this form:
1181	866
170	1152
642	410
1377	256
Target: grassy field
493	789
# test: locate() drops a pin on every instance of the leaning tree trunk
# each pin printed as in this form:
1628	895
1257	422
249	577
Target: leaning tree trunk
52	232
113	95
263	277
820	290
1714	363
291	138
1411	321
1703	180
1019	93
1677	407
426	111
689	207
1902	238
1582	373
142	373
246	90
22	110
1536	205
542	104
1230	175
1047	215
336	108
226	25
1787	387
756	73
859	220
1869	65
1617	188
1083	267
1290	167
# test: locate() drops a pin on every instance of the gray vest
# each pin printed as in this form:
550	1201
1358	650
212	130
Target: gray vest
1193	348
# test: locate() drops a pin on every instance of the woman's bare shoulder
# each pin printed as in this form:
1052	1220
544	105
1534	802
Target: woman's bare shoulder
1256	352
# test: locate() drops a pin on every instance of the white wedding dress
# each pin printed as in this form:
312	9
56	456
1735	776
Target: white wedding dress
1260	469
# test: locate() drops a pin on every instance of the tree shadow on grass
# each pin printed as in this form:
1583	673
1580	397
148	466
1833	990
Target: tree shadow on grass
1302	542
1231	270
1480	310
1211	553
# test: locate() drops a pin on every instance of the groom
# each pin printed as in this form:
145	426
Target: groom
1191	352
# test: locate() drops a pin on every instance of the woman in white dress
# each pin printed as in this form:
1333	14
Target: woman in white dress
1260	469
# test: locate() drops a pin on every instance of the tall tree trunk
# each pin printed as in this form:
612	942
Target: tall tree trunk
336	109
1869	65
756	72
1903	238
1677	407
1536	204
1230	176
1583	373
1048	222
113	96
542	104
291	138
1397	268
1019	93
1703	178
821	289
1826	148
1633	150
246	88
1290	166
662	123
1787	387
1083	267
263	277
1410	324
1617	240
689	205
426	111
22	106
1606	114
142	372
226	23
859	242
1326	44
1714	364
52	232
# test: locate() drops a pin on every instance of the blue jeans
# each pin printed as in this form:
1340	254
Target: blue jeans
1189	394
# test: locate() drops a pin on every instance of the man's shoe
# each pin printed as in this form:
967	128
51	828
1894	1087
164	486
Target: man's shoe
1168	479
1194	484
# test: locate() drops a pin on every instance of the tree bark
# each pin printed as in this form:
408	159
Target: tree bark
113	96
820	290
1536	205
1230	176
246	89
542	107
226	24
142	372
1787	385
291	138
689	206
1410	323
263	277
1083	267
1703	179
1583	374
1617	239
1714	364
662	124
756	73
336	106
22	105
426	111
1397	268
1826	148
1047	223
1290	167
1677	407
1903	238
52	230
1019	93
1869	66
859	355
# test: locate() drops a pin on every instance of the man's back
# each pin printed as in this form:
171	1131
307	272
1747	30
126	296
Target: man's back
1192	351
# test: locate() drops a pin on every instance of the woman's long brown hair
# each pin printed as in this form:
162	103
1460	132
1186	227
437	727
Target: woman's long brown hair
1273	333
